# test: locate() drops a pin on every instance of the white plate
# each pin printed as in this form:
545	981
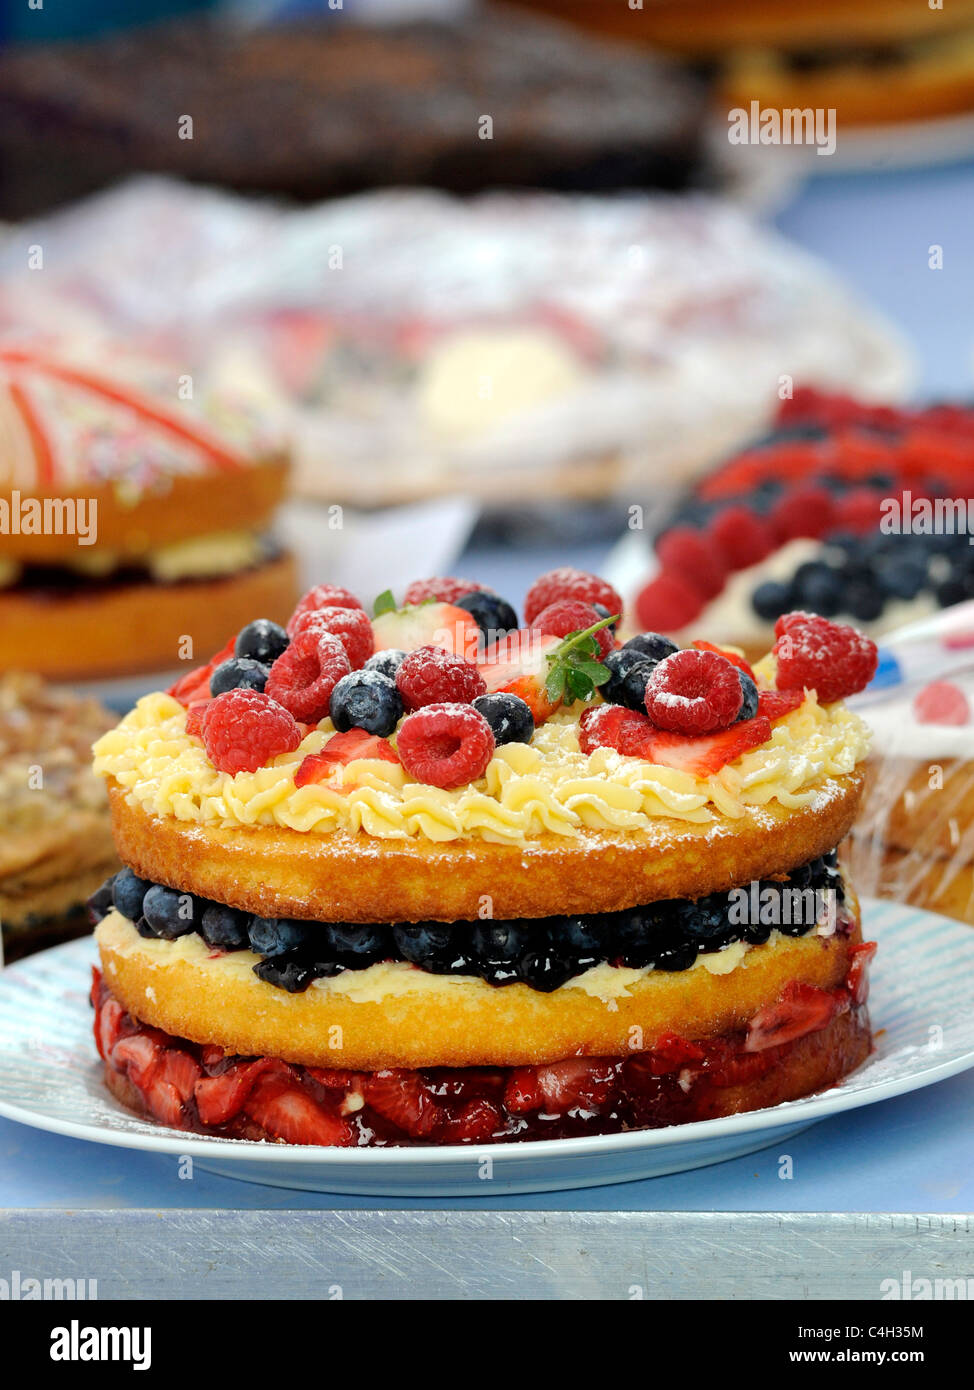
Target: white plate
923	979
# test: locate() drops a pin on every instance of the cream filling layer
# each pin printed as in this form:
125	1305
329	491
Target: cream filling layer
546	787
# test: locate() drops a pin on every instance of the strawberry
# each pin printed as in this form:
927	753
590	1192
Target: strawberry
108	1024
577	1083
426	625
219	1098
172	1086
281	1107
775	704
138	1057
601	726
701	755
857	982
195	685
403	1099
518	665
801	1009
473	1123
339	751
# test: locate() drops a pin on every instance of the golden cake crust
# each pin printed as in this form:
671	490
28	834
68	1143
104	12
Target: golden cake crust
278	872
459	1022
126	628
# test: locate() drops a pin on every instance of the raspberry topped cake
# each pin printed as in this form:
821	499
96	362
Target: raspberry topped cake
846	509
432	876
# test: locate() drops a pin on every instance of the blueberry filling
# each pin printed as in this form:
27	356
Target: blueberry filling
543	953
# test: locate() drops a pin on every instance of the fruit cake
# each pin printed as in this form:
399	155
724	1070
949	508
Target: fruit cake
133	516
845	509
443	875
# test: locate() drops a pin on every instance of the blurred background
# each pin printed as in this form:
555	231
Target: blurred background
511	286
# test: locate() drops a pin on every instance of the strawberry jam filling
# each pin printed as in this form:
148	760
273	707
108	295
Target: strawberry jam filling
200	1088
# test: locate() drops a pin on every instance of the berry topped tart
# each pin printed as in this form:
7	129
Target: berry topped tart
437	875
845	509
134	511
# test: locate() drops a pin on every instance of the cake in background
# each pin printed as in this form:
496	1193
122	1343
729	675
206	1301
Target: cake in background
55	838
833	511
134	512
873	62
362	106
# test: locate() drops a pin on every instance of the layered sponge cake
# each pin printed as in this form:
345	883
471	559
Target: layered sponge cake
135	510
432	876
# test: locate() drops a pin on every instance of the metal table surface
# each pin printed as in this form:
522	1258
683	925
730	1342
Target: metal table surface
731	1231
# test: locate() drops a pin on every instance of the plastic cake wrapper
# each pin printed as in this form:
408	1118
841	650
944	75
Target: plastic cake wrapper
914	839
514	345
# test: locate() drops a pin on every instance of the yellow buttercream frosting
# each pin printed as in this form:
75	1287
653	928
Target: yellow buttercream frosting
546	787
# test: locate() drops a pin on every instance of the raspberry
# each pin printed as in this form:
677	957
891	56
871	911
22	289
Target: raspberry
244	729
830	658
667	603
445	745
859	510
941	702
569	583
728	654
694	692
689	554
443	589
322	596
431	676
352	627
303	677
804	511
603	726
567	615
742	537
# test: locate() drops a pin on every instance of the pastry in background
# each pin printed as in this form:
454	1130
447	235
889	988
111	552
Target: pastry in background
874	62
132	516
835	512
55	840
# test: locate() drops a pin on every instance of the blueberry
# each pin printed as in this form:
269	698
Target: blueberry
101	901
355	947
169	913
706	923
652	645
224	928
949	592
492	614
431	945
546	969
387	662
633	937
675	951
262	641
749	702
630	670
291	971
366	700
143	928
272	936
497	948
128	891
771	599
821	593
238	673
509	717
580	936
864	601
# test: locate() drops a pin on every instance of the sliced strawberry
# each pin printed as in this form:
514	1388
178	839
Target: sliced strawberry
857	981
172	1086
195	685
427	625
473	1123
219	1098
671	1053
108	1021
775	704
339	751
138	1057
281	1107
194	716
518	665
734	658
701	755
578	1083
801	1009
402	1098
601	726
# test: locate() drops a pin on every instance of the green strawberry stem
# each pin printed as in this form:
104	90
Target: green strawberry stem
575	671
